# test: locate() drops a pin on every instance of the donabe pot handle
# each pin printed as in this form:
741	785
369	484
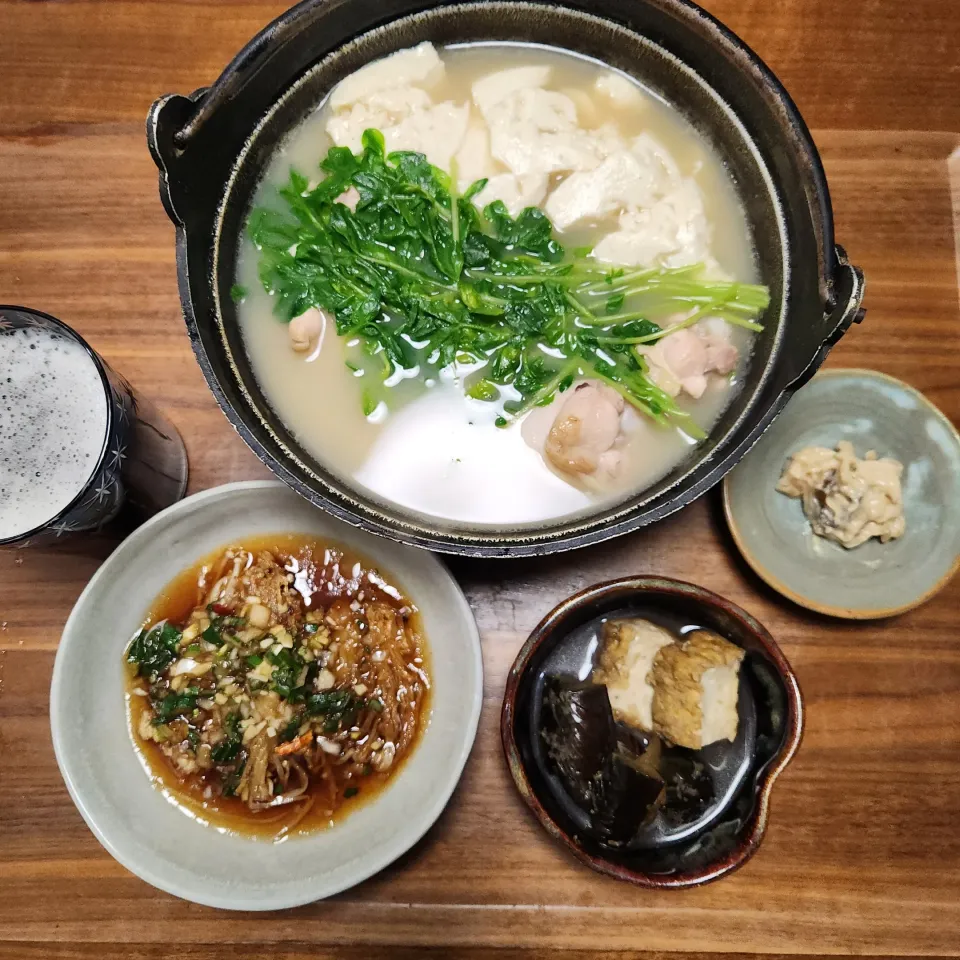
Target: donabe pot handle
167	117
848	290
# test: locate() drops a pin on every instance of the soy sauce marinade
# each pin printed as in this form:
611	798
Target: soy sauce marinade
277	684
652	792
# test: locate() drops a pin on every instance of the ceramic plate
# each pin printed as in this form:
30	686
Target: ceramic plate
729	829
874	412
155	839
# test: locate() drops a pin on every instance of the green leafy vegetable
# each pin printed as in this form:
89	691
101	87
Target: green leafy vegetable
228	749
483	390
351	792
370	403
155	649
287	667
238	292
231	783
340	707
424	280
175	705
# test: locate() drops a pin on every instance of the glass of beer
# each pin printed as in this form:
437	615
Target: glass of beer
76	442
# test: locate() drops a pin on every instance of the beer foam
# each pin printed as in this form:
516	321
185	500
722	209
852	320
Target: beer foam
53	422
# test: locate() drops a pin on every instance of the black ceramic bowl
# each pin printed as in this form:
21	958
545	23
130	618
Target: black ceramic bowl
723	836
213	147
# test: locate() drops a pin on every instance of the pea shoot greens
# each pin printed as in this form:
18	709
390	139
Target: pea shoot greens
425	281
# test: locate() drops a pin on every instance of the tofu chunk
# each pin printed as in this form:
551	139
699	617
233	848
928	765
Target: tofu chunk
672	232
473	159
417	66
408	120
379	110
620	181
620	91
495	87
536	131
436	132
627	652
516	193
654	155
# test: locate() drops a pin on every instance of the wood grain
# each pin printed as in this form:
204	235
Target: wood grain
307	951
863	64
863	852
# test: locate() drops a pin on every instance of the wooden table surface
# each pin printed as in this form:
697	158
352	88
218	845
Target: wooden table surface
863	850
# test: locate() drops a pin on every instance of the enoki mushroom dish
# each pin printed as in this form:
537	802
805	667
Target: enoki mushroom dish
276	684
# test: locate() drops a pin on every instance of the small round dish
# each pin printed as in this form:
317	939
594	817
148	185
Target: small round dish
743	772
133	819
874	412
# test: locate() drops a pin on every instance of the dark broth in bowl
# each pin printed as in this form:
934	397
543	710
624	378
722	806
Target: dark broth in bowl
277	684
700	784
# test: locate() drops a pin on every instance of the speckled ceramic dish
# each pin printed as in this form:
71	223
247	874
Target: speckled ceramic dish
729	829
138	824
874	412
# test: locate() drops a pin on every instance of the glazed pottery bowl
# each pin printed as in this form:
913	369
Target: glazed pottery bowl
212	149
873	412
135	819
743	771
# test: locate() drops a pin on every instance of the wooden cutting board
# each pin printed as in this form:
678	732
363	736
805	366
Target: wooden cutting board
863	850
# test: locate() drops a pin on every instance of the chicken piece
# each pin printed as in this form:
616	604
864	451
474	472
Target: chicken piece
350	198
722	355
417	66
681	360
297	745
345	630
628	649
672	232
515	192
619	181
306	331
695	690
585	431
678	363
620	91
495	87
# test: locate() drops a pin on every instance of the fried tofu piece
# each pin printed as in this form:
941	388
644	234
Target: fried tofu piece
695	690
626	656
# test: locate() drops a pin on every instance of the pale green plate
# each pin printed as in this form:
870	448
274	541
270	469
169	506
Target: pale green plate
874	412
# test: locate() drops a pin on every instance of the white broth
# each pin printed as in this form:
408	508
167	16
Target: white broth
431	449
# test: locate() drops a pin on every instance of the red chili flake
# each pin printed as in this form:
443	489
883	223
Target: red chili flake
221	609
